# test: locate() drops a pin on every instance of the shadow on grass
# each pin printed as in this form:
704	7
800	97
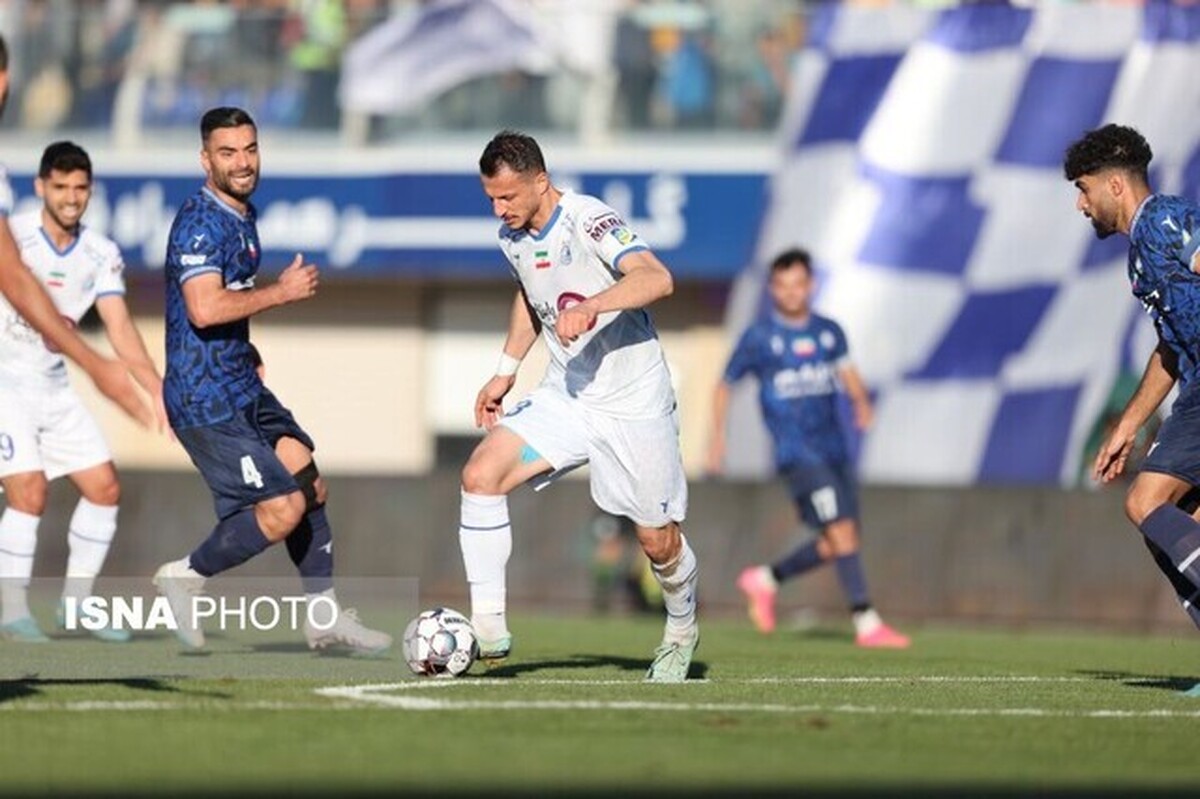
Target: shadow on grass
31	686
1162	682
698	670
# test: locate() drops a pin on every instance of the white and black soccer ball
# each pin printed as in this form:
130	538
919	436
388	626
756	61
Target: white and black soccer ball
440	643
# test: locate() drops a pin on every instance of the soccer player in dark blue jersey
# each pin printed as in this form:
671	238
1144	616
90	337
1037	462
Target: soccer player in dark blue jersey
1109	168
256	459
801	361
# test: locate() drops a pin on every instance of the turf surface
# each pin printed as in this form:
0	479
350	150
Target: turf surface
961	712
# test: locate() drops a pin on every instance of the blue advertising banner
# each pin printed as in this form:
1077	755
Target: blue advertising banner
434	224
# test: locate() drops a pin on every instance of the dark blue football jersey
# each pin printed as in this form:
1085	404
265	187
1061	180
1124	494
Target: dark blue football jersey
796	367
1163	240
210	371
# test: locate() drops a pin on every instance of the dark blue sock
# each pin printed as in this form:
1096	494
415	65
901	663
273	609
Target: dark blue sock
1185	589
1177	535
854	584
801	559
311	548
233	541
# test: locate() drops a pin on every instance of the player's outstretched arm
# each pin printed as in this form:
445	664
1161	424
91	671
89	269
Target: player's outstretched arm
644	280
1157	381
129	346
714	463
860	398
22	289
522	332
209	303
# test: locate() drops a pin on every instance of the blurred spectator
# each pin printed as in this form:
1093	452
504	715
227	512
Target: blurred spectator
104	50
635	61
315	32
685	80
46	43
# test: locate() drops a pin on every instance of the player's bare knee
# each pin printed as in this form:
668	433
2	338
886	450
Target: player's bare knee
278	517
1140	503
106	494
27	493
479	477
660	544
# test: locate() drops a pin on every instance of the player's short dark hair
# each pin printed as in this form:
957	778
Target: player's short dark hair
1110	147
223	117
517	151
792	257
3	54
64	156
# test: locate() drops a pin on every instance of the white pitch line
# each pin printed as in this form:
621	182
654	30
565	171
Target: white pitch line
206	705
399	696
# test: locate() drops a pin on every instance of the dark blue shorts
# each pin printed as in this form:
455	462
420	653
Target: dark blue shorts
237	457
824	493
1176	450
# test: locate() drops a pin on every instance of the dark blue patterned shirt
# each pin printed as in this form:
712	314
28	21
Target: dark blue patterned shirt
210	371
796	367
1163	240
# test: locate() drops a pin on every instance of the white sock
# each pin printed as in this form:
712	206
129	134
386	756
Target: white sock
678	578
89	537
18	542
486	540
866	621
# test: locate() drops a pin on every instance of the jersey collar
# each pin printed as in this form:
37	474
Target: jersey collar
224	206
1138	213
545	231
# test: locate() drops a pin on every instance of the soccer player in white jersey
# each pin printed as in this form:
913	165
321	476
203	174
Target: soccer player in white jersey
21	288
584	279
45	431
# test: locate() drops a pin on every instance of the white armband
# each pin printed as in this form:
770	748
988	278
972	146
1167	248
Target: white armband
508	365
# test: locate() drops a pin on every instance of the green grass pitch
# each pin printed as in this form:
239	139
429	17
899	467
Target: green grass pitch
962	711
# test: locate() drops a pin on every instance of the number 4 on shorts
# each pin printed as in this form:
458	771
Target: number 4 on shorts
250	472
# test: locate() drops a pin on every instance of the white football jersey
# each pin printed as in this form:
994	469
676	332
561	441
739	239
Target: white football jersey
618	367
91	267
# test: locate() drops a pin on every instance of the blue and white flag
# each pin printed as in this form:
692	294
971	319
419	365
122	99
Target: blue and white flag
922	168
408	60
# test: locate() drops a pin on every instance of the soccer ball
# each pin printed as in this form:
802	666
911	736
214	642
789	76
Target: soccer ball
440	643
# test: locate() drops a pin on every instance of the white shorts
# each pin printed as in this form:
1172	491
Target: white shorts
47	430
637	470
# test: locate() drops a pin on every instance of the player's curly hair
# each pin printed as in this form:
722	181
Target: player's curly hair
1110	147
518	151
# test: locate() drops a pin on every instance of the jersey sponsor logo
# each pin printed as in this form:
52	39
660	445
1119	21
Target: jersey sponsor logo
193	260
804	346
596	228
806	380
542	259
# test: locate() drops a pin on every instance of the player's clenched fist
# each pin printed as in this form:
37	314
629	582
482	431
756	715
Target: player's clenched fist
299	280
574	319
